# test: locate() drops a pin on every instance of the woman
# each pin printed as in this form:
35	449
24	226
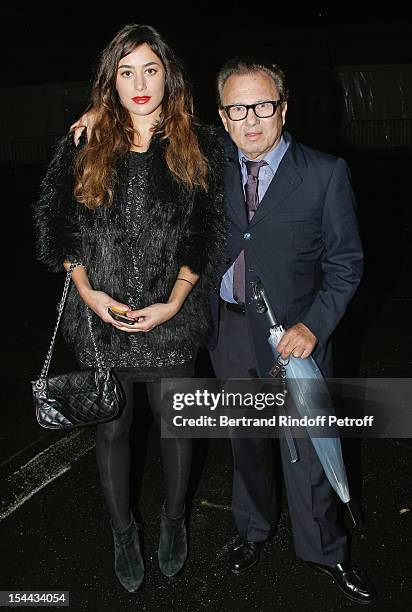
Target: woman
140	207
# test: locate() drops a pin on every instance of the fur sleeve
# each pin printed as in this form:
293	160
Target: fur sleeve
204	238
56	212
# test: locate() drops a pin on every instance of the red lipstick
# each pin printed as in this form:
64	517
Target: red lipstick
141	99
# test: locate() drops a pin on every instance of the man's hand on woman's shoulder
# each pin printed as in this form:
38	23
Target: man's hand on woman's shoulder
86	121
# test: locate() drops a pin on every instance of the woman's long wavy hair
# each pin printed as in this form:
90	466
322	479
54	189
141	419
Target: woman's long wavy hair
113	132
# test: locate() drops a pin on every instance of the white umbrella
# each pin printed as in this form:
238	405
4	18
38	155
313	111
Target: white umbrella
311	399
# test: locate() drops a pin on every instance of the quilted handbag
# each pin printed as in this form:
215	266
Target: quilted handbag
76	399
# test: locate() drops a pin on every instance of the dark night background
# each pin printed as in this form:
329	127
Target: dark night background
48	53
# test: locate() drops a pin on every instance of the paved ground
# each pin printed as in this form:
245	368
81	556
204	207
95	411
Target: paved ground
54	530
60	539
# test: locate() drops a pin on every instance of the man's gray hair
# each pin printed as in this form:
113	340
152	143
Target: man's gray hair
249	65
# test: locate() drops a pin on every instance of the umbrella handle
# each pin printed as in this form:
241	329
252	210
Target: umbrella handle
261	301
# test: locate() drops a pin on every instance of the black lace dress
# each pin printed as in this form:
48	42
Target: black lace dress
139	361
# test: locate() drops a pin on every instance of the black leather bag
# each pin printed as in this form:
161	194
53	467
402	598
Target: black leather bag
76	399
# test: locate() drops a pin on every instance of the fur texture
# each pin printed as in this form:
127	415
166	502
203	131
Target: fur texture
181	228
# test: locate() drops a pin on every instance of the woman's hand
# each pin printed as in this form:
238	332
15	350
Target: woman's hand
156	314
150	317
99	301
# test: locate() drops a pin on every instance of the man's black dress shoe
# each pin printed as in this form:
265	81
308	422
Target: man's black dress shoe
352	581
244	555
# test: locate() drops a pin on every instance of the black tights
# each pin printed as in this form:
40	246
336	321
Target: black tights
113	460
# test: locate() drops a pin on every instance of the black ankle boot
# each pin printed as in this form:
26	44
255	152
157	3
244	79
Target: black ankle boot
128	560
172	551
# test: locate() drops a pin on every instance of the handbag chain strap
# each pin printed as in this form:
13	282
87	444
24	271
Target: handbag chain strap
46	365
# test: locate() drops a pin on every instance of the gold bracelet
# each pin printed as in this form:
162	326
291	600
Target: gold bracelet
185	279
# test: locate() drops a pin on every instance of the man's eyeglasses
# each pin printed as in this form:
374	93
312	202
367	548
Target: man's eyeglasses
263	110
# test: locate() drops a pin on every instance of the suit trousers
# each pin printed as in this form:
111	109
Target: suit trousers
318	533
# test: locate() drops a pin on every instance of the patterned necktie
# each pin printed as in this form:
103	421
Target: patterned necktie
252	201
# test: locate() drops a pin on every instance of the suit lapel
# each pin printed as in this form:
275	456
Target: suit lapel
285	181
234	192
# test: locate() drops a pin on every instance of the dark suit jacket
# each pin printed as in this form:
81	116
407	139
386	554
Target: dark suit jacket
304	245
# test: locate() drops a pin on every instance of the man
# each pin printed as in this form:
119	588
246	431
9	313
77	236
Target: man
292	222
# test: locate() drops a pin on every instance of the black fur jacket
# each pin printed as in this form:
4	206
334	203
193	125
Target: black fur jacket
181	228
